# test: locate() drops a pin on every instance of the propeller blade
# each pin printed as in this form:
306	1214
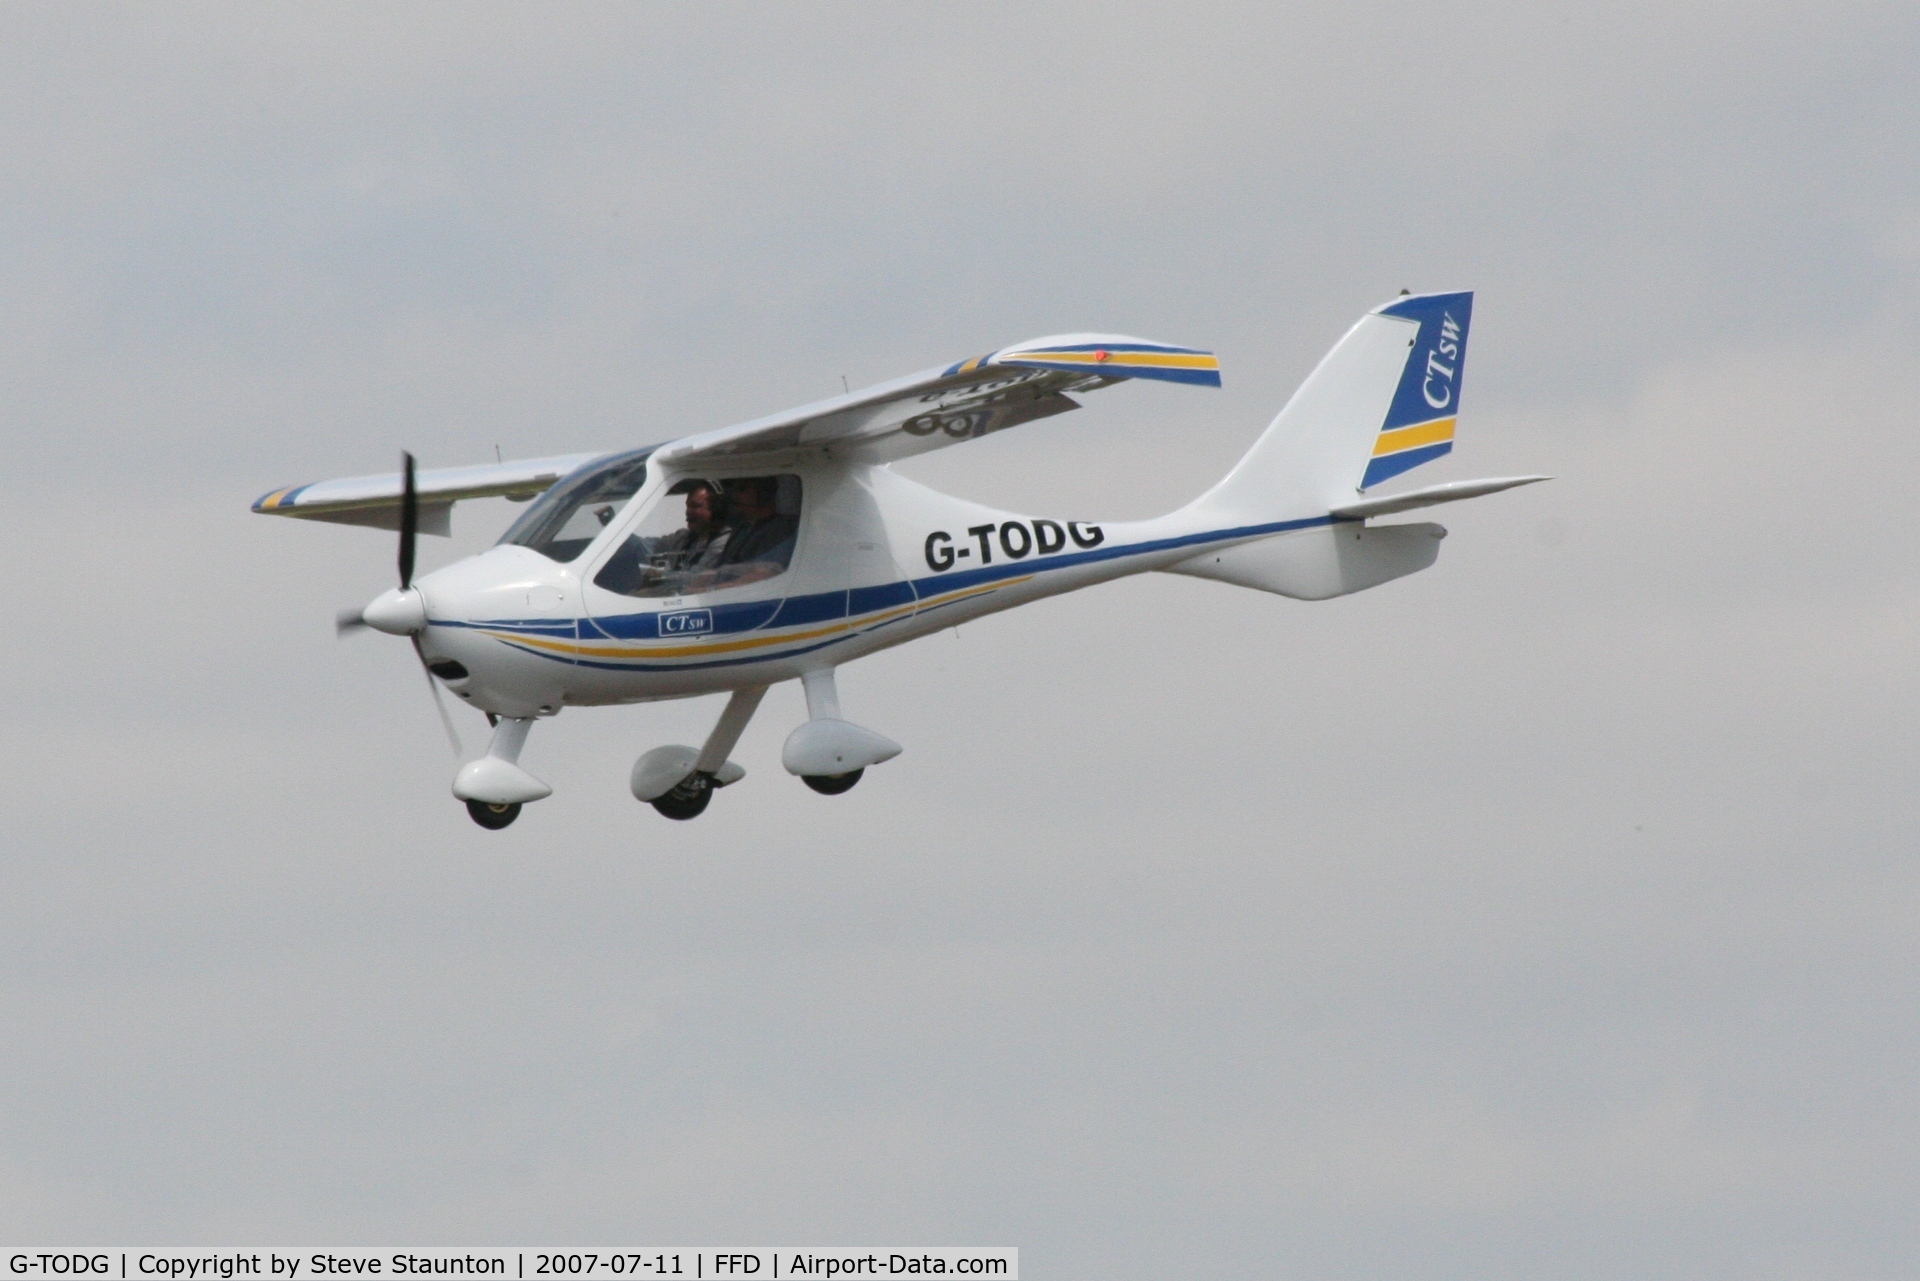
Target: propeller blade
440	702
409	520
348	620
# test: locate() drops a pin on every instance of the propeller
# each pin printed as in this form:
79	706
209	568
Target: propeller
409	519
353	620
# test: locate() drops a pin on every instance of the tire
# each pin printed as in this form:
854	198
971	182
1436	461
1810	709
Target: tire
832	784
492	817
687	799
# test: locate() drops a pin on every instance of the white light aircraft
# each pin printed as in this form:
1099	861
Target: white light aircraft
783	548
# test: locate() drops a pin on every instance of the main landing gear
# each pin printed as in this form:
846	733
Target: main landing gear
490	816
680	782
686	799
827	753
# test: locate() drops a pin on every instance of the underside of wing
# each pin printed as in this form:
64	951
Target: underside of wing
375	500
958	402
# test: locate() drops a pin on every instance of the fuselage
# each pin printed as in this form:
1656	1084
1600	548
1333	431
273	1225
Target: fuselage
876	560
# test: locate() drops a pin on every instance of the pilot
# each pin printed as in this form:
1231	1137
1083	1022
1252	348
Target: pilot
762	540
700	545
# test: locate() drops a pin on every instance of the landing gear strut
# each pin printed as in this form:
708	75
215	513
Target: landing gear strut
492	817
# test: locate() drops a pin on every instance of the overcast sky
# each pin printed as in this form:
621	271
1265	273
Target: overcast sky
1549	913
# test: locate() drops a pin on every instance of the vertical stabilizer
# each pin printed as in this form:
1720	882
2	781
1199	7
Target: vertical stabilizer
1382	401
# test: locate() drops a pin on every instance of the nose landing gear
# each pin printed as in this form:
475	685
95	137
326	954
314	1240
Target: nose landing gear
494	787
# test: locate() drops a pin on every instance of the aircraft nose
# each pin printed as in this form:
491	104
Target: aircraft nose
396	612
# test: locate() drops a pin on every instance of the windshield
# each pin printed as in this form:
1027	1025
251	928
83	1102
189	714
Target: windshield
570	515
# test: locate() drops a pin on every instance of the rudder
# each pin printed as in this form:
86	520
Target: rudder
1420	421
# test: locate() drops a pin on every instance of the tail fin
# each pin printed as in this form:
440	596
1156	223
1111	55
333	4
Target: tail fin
1381	402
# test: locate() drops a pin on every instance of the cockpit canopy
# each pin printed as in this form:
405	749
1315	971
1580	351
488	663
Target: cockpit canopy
571	515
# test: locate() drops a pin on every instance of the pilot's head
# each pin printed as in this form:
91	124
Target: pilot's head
705	507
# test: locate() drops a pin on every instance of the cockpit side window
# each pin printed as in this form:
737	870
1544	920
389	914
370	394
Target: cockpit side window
570	515
706	536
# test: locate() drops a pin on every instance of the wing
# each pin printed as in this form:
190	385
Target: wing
876	424
375	500
958	402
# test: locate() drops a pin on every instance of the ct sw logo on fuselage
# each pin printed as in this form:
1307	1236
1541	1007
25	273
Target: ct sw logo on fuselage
1016	540
1437	387
688	622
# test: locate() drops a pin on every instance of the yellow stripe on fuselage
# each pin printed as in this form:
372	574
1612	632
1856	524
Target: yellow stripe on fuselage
272	500
1403	438
733	647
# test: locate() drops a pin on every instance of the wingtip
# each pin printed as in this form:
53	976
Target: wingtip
1115	356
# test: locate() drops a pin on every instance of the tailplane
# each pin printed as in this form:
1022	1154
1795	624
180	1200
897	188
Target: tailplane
1382	402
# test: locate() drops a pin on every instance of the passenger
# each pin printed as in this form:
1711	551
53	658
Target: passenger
762	541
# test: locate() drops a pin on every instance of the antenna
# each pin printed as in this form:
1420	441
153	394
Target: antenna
496	453
844	389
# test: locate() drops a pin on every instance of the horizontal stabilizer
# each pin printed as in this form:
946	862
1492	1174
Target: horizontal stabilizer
1452	492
